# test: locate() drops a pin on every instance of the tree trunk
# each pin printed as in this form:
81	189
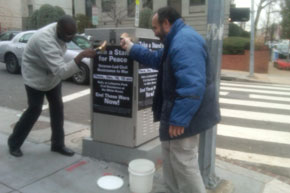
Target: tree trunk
262	4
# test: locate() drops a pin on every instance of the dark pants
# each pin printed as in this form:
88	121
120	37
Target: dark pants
30	116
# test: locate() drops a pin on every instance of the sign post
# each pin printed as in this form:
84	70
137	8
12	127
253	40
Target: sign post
137	2
95	20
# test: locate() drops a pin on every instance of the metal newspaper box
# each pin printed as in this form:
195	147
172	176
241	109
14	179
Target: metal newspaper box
122	90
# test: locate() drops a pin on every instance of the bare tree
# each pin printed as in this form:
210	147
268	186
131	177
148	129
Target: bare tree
262	5
119	13
270	22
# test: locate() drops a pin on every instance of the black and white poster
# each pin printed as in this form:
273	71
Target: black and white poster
147	76
113	82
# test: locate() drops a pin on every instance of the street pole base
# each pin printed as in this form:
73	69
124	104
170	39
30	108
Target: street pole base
224	186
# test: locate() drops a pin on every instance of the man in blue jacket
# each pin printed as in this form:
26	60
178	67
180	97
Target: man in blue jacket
185	99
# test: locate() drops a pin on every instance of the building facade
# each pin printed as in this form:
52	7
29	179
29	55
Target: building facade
14	13
194	12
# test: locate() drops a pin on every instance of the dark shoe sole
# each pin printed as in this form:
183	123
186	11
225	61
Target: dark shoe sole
16	153
63	151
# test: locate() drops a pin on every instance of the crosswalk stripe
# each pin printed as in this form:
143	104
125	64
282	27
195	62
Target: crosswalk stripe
223	93
249	115
254	103
273	98
254	134
255	86
254	158
254	91
71	97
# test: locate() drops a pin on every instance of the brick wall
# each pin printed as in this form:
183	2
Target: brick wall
241	62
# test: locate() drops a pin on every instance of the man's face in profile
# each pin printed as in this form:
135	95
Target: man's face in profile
158	28
66	32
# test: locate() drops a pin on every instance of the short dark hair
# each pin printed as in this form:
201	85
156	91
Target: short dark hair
168	13
66	19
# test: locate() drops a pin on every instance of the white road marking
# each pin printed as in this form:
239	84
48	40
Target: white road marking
254	103
273	98
71	97
224	93
258	116
254	158
255	86
254	91
254	134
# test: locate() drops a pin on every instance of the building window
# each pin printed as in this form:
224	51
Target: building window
107	5
131	8
148	3
30	10
197	2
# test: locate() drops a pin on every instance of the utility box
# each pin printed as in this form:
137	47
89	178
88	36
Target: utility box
122	90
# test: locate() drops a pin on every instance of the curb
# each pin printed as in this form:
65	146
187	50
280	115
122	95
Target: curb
230	78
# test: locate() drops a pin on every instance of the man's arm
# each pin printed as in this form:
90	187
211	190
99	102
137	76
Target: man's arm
141	54
50	54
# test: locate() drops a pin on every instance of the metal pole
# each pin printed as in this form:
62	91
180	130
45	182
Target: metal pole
73	8
252	49
207	144
137	10
89	8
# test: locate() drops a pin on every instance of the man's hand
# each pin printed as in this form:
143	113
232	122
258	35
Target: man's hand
88	53
175	131
126	43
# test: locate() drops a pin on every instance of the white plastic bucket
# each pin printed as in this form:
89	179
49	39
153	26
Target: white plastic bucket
141	172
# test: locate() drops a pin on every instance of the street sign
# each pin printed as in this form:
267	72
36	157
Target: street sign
95	20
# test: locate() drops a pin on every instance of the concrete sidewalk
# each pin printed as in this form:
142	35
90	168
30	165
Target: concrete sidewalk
42	171
274	76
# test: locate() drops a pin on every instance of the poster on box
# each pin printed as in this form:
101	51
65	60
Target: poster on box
147	77
113	82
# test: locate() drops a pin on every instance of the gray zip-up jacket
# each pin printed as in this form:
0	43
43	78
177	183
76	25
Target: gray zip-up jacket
43	65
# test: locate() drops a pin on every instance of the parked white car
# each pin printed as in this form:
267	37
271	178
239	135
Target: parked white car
11	54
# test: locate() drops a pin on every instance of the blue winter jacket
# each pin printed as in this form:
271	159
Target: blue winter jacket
182	82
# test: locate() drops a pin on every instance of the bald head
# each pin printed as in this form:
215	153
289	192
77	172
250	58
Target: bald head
66	28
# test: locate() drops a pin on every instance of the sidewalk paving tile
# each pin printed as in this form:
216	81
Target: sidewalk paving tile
4	188
276	186
38	162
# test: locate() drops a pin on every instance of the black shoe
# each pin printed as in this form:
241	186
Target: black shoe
63	150
15	152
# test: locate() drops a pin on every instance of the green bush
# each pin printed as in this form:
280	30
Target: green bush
237	31
83	22
145	18
235	45
46	14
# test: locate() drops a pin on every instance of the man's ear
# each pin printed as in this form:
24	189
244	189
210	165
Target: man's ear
166	25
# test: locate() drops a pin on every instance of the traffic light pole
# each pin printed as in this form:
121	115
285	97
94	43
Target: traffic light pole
207	145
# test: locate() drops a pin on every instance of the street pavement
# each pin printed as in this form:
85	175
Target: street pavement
42	171
254	130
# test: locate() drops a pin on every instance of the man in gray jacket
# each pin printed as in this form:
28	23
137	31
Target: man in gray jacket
43	69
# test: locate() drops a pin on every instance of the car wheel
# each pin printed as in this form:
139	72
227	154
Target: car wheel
83	76
12	65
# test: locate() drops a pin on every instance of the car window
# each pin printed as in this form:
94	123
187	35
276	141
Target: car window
6	36
82	42
72	46
25	37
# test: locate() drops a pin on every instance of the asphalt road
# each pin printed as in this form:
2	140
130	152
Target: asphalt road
13	96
